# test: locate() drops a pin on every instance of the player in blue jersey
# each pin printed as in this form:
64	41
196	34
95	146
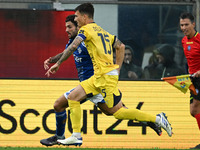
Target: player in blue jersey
85	70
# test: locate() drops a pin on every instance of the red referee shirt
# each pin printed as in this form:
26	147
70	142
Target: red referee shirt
191	49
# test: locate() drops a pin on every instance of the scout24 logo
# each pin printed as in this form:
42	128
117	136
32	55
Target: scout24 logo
95	112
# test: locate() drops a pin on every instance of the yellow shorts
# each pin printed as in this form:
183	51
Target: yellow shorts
106	85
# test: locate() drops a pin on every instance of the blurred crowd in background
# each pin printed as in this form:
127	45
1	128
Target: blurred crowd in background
35	31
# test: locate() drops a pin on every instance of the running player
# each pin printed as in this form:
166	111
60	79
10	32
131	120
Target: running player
100	45
85	70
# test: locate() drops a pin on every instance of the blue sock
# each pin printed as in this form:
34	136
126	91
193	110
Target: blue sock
60	123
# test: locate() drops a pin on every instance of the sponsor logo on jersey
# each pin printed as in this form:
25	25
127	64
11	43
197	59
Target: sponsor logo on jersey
189	47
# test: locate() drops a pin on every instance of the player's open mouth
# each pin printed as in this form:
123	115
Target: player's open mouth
185	32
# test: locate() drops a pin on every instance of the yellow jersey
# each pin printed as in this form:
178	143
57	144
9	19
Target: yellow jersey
99	44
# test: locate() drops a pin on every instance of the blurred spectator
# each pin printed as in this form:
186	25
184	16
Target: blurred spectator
162	64
129	70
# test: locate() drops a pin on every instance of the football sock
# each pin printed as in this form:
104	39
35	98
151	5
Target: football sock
60	123
75	115
134	114
197	116
78	135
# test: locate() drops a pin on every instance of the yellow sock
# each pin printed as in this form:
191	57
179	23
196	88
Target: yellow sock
75	115
134	114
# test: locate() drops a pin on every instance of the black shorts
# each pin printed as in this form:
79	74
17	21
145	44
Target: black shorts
196	83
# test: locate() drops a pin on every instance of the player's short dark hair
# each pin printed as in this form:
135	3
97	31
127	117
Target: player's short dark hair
86	8
187	15
71	18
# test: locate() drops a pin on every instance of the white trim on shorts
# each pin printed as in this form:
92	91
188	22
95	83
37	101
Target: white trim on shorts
95	99
113	72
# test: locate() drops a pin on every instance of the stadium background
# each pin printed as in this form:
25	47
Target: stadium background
32	31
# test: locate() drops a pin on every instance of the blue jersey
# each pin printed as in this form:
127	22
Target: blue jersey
83	61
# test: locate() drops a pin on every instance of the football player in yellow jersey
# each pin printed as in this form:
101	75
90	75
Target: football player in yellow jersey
100	46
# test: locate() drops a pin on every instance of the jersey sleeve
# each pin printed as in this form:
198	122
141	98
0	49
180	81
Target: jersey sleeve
69	42
83	33
66	46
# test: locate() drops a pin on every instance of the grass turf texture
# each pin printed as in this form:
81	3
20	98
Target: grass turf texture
68	148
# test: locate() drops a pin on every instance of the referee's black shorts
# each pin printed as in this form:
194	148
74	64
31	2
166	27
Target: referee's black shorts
196	83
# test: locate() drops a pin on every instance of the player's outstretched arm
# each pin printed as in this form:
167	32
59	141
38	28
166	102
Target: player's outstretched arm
53	59
70	49
66	54
120	48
